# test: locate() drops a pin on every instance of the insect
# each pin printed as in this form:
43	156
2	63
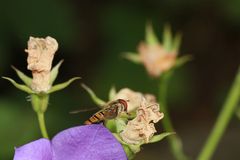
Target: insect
111	110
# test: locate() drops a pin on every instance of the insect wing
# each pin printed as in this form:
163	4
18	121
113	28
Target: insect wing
82	110
110	112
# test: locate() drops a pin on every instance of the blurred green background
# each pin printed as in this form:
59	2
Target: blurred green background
92	35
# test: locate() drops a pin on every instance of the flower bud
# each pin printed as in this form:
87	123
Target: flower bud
40	55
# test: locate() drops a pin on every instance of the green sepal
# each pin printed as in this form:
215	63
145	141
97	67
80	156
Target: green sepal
176	42
116	125
134	147
179	62
130	149
120	124
117	136
19	86
182	60
129	115
54	72
112	93
161	136
151	38
27	80
133	57
167	38
93	96
128	152
111	125
61	86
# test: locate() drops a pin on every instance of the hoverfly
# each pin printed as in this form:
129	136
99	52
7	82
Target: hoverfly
110	110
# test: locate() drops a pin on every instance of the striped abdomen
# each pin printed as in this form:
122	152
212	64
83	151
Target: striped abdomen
96	118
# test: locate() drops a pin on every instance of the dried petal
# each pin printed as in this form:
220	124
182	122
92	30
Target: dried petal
40	55
141	129
150	98
133	97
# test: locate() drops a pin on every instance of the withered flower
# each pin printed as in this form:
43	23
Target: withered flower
40	56
155	56
141	129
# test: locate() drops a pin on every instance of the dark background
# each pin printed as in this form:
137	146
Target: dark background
92	35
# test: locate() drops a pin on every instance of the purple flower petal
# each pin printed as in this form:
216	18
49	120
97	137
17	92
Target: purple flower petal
89	142
36	150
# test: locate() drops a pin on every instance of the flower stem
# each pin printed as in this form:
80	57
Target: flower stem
42	125
174	140
223	119
40	104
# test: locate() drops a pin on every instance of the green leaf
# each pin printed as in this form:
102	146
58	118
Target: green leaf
61	86
54	72
112	93
151	38
133	57
19	86
159	137
167	38
95	99
27	80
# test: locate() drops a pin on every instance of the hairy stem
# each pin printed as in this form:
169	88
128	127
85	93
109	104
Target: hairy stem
222	120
